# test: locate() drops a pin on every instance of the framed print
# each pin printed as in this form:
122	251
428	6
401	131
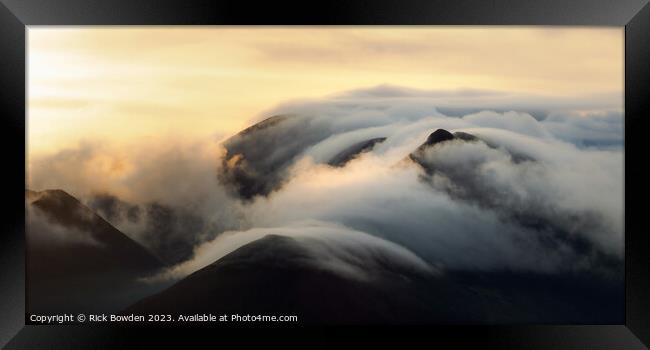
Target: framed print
471	171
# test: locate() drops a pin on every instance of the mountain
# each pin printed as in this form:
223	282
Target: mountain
276	276
75	259
257	159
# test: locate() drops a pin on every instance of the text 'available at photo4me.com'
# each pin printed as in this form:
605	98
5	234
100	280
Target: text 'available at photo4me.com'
158	318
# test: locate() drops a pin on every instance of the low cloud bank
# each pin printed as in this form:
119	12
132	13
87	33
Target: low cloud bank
559	207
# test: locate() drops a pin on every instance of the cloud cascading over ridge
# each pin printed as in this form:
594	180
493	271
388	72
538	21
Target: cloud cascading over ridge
542	189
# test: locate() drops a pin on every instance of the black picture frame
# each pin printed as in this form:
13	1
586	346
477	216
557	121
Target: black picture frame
17	15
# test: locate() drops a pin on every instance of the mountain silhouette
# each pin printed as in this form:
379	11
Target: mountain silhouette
276	275
77	261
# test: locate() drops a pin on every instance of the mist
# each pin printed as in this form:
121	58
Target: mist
542	189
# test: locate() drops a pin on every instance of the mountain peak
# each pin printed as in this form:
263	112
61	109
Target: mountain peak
56	194
438	136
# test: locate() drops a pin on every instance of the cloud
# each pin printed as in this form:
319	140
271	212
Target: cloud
257	163
564	191
392	202
592	129
457	102
165	195
522	123
557	206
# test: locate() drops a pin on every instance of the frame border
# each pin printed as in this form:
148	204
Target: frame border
17	15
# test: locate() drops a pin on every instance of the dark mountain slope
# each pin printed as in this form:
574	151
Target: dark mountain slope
256	158
276	276
62	209
76	261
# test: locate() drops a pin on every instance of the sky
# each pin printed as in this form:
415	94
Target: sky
126	85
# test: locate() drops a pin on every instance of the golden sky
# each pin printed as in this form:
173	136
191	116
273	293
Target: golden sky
120	84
